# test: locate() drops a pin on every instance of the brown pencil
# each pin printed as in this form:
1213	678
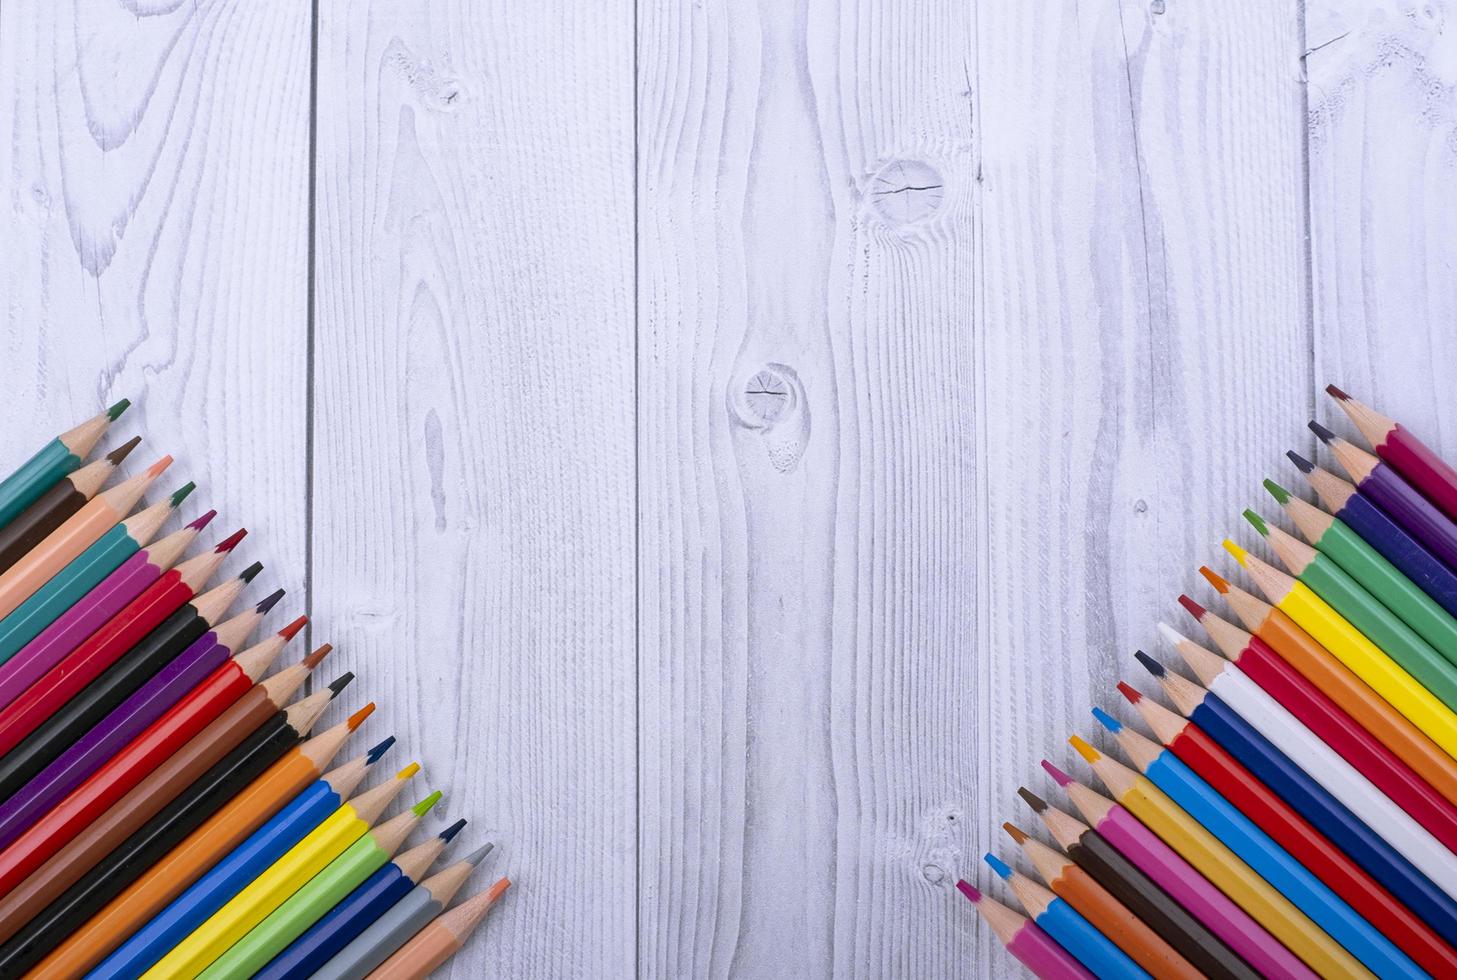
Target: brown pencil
441	939
50	511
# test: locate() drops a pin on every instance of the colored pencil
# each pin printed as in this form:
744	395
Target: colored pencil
1309	798
1314	615
158	610
319	894
94	610
139	830
1054	915
1027	943
1103	911
256	893
52	461
71	720
427	900
444	937
1274	630
203	689
1396	444
1330	724
1182	881
85	573
1228	872
77	533
354	913
1416	515
1363	611
206	870
1290	830
1371	523
1258	850
1335	539
34	524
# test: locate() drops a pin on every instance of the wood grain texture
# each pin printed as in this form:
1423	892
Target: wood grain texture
154	160
474	503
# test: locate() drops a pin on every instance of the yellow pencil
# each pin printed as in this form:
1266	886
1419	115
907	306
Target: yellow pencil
275	885
1221	866
1351	647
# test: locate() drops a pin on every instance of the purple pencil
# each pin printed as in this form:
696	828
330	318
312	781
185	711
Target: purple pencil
38	785
1024	939
1390	491
93	610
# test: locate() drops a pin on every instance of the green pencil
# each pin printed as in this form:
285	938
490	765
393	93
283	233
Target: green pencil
1334	537
52	461
324	890
1364	611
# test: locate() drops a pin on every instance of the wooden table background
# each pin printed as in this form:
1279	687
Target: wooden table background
733	441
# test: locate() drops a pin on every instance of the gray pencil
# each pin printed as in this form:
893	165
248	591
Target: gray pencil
405	918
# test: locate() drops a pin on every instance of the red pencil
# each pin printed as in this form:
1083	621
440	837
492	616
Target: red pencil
104	647
1395	444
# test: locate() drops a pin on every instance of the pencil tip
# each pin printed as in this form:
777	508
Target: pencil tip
1301	463
408	771
1107	721
156	468
114	412
231	541
423	807
1037	803
448	834
1257	522
121	452
1192	607
1171	636
1084	749
251	572
313	659
1281	495
1337	393
203	521
374	754
1321	432
1133	694
969	890
291	630
339	683
479	854
1239	553
1002	869
269	601
357	719
1150	664
1016	833
1214	579
180	494
1058	776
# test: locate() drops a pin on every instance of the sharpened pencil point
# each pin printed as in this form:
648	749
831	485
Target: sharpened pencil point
251	572
408	771
1193	608
1150	664
1214	579
1337	393
340	683
269	601
1107	721
1239	553
969	890
1257	522
1171	636
1002	868
203	521
1133	694
1321	432
291	630
180	494
313	660
1084	749
448	834
121	452
114	412
479	854
1016	833
376	753
423	807
156	468
1281	495
1301	463
1058	776
1037	803
231	541
357	719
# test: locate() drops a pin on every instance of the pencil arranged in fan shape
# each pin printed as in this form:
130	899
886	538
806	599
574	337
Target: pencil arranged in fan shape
167	807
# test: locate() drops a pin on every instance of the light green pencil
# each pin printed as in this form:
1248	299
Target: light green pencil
52	461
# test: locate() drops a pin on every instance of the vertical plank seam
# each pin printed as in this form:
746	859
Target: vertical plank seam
637	599
1306	206
310	297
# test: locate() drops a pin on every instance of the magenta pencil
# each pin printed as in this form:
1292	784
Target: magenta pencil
1032	947
93	610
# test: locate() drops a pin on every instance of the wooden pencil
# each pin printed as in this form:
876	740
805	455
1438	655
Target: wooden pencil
1371	523
94	610
52	509
1220	865
77	533
61	897
1294	833
203	685
87	571
1330	724
1275	631
319	894
1021	937
1335	539
1396	445
66	721
161	608
1364	658
355	912
52	461
193	881
1310	799
416	910
1142	847
256	892
1102	909
447	935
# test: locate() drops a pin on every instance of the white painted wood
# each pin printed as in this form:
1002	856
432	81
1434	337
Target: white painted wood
474	501
154	172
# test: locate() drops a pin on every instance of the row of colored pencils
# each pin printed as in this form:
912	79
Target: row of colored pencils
167	808
1294	812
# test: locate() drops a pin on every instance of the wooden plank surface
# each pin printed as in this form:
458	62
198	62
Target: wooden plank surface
473	501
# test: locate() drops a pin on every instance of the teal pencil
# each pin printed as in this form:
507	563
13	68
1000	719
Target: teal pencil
52	461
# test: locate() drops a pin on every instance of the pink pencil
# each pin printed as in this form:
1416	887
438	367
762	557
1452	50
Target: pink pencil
1184	884
93	610
1032	947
